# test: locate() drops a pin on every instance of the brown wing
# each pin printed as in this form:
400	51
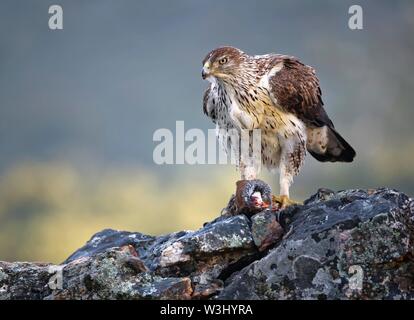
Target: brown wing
296	89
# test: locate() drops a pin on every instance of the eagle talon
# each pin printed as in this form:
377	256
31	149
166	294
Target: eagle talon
283	202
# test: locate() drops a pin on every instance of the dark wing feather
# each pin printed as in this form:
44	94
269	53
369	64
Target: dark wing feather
209	111
296	89
205	100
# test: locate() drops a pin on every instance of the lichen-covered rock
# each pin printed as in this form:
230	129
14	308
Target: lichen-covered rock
24	280
354	244
125	265
110	275
348	245
266	230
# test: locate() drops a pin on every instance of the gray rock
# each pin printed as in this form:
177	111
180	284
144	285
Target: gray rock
354	244
266	230
23	280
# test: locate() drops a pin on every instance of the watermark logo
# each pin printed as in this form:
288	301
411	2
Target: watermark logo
195	147
56	18
355	21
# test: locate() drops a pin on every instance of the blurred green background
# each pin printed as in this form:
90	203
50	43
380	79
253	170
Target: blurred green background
78	108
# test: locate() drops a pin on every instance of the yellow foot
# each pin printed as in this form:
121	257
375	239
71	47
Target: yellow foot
283	201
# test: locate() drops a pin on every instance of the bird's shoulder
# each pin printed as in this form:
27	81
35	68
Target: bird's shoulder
295	88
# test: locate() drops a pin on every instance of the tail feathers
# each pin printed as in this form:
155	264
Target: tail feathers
326	144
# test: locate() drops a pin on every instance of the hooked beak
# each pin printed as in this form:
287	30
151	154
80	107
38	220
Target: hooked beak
205	72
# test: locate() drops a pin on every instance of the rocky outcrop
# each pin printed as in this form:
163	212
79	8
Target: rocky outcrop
354	244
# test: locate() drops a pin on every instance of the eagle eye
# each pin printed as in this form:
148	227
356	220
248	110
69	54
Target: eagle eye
223	60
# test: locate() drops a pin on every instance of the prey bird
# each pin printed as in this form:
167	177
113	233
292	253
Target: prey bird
279	95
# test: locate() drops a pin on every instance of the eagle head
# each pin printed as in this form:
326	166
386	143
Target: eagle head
222	63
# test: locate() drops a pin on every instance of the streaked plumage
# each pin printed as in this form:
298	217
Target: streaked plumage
279	95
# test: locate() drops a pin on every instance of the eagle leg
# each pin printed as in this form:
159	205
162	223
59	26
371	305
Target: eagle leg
290	163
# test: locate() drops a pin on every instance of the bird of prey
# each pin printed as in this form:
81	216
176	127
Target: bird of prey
279	95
